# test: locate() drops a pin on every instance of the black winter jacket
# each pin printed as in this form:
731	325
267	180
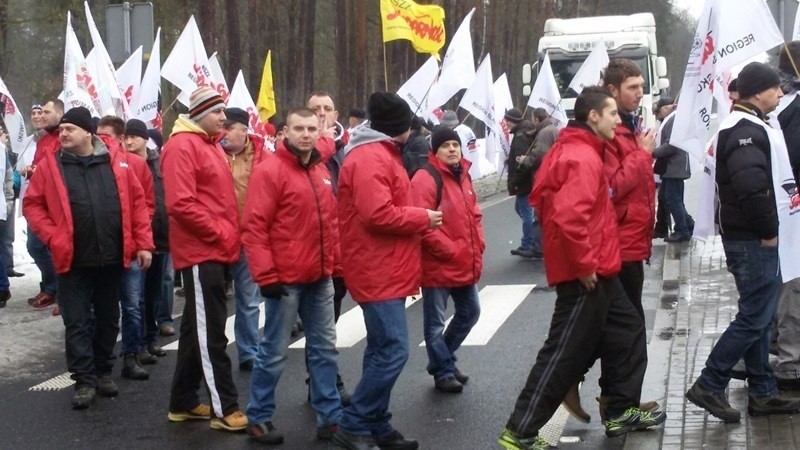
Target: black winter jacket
520	183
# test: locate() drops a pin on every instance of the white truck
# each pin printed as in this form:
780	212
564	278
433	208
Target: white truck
569	41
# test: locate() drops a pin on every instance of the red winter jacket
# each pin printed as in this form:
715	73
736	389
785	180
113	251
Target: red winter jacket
380	229
571	197
140	169
630	175
48	211
452	255
290	231
198	186
48	143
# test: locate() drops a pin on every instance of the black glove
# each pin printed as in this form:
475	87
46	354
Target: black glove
339	288
274	290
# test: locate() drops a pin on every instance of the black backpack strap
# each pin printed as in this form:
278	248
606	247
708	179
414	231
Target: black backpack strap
437	178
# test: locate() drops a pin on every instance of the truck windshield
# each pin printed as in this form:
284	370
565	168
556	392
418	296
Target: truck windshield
565	69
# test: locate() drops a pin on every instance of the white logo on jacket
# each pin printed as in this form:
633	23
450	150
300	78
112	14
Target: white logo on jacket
123	164
743	142
327	181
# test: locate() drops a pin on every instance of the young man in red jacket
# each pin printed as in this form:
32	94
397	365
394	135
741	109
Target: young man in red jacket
592	314
89	208
452	256
204	242
381	232
291	237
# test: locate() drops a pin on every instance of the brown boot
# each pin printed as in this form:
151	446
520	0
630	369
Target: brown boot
572	402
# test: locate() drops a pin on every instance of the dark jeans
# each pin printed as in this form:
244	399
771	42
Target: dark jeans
585	324
164	310
5	285
153	297
631	276
755	270
663	222
202	345
89	302
673	196
442	344
7	239
44	261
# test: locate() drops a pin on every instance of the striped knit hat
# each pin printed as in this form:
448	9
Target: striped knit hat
203	101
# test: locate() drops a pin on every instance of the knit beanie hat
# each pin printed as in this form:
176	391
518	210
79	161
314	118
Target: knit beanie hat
136	127
513	115
237	115
389	113
449	119
441	135
203	101
755	78
80	117
156	137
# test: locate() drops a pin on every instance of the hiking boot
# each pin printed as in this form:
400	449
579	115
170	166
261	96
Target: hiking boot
449	385
788	384
396	441
510	441
633	419
572	403
326	433
460	376
716	404
83	397
146	357
131	368
166	330
43	301
772	404
199	412
265	433
354	441
155	349
107	387
235	421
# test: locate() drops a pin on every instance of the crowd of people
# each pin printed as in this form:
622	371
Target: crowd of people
382	209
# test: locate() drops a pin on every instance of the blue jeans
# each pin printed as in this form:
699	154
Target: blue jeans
153	297
131	302
755	270
7	239
41	256
4	283
314	303
673	197
384	358
164	310
247	298
531	229
442	344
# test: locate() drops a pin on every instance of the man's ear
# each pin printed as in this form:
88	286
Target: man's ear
614	90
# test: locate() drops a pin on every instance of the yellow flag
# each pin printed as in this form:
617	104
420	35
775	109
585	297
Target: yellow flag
266	92
423	25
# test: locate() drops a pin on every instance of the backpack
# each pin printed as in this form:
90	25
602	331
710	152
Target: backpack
437	179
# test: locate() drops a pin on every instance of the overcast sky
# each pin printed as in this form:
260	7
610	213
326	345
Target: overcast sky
695	7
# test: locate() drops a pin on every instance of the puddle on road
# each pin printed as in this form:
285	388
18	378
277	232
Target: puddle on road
669	302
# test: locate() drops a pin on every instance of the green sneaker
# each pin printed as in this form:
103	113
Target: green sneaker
510	441
633	419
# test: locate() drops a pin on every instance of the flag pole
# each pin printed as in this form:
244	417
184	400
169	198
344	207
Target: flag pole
385	70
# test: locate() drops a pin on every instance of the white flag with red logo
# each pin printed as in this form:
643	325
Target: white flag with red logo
145	100
479	98
725	37
458	66
187	66
129	76
79	86
14	120
545	94
240	98
108	86
501	134
218	78
416	90
591	72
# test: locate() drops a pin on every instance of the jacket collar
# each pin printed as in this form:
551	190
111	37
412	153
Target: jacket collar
582	133
288	154
749	108
186	125
444	168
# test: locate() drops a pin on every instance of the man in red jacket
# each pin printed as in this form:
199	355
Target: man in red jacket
381	232
591	315
452	256
89	208
291	237
204	242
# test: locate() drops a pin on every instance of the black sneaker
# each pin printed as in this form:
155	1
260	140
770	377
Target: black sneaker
106	386
460	376
354	441
396	441
772	404
264	433
83	397
716	404
326	433
449	385
633	419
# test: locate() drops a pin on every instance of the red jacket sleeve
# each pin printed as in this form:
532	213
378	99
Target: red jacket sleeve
326	148
141	218
423	194
259	213
34	204
630	172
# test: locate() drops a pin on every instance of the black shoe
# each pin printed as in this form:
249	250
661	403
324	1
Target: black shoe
131	368
526	253
716	404
772	404
13	273
396	441
264	433
354	442
460	376
147	358
5	296
83	397
326	433
788	384
106	387
344	396
247	366
660	234
449	385
155	349
675	237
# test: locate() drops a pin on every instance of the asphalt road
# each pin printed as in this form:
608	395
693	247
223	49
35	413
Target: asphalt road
471	420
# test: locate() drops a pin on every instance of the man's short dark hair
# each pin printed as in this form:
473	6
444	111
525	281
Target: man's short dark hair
619	70
116	123
319	93
789	59
592	98
301	111
540	114
58	105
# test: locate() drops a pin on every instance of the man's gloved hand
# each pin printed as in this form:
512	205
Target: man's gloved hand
339	288
274	290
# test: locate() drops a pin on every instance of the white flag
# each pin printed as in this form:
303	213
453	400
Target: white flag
240	98
218	78
796	28
479	98
458	66
502	136
591	72
545	94
416	90
105	76
146	98
725	37
187	66
14	120
129	76
79	86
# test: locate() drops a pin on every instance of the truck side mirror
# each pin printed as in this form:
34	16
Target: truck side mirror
526	91
661	67
663	84
526	74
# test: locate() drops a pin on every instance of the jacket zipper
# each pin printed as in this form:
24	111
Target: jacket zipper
319	217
